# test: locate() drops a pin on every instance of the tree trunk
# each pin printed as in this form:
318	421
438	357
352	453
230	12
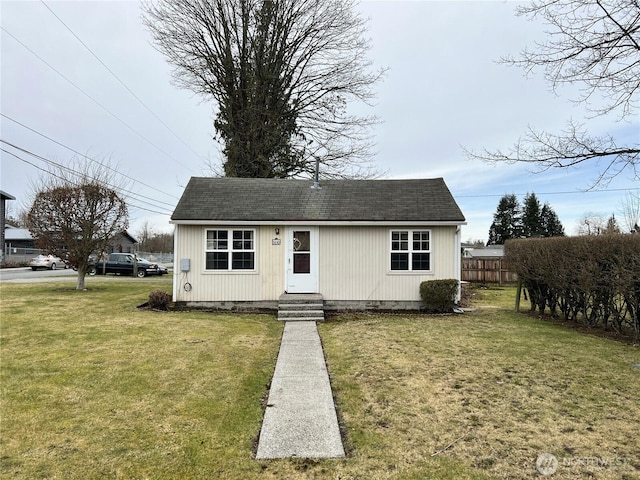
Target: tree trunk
81	274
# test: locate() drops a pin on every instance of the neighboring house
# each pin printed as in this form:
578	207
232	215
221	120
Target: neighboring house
123	243
3	216
490	251
359	243
19	246
18	238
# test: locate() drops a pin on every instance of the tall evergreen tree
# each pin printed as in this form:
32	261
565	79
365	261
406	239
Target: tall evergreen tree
507	221
531	217
551	225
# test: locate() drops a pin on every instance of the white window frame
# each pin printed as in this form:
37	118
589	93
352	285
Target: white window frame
230	250
410	251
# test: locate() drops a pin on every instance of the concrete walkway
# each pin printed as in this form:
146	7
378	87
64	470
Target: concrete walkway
300	418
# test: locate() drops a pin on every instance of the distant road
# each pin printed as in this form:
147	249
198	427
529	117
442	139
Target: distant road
25	274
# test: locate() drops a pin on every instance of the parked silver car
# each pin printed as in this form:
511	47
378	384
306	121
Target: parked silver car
49	262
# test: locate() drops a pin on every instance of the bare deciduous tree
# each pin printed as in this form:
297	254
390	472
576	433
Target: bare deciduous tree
592	224
594	44
75	213
630	209
281	74
151	241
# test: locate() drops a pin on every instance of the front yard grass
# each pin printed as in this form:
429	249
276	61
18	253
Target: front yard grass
94	388
484	393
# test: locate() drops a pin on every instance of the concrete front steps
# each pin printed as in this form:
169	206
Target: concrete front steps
301	307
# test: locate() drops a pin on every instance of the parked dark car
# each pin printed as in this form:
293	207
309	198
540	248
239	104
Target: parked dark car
123	264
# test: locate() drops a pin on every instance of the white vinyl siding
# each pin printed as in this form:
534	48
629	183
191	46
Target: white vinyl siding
355	263
264	282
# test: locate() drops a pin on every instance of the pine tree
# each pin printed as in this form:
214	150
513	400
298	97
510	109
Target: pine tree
551	225
507	221
510	221
612	227
532	217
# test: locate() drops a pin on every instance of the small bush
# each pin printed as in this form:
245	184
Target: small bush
159	300
439	296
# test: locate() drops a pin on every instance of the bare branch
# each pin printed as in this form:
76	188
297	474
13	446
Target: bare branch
569	148
630	209
281	75
594	44
590	42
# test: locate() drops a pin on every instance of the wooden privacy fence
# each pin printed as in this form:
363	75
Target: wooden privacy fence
487	270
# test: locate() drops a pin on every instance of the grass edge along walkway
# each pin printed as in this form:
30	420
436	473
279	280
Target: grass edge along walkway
300	419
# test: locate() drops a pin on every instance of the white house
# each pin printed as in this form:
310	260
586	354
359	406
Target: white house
243	242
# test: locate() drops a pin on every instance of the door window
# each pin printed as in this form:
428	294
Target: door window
302	251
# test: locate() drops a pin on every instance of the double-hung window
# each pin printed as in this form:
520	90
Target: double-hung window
230	250
411	250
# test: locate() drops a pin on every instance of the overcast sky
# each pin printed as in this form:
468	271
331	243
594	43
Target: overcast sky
443	90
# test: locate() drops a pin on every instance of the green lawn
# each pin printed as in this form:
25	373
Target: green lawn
487	392
93	388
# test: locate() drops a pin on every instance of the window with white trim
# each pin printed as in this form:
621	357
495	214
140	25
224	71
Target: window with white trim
230	250
411	250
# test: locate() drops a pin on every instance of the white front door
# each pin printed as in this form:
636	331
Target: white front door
302	260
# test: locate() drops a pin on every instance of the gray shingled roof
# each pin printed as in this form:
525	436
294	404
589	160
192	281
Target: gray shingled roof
261	199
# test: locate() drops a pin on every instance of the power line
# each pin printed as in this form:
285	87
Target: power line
94	100
573	192
74	172
120	81
136	196
89	158
61	178
30	163
80	174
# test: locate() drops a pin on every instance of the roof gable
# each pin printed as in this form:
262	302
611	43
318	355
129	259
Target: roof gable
15	233
282	200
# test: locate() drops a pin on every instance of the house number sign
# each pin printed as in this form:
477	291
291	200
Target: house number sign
275	241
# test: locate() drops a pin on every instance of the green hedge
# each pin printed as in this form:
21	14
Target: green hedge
590	279
439	296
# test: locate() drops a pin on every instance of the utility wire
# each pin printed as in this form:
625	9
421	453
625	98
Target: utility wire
95	101
121	82
573	192
61	178
136	196
89	158
80	174
30	163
